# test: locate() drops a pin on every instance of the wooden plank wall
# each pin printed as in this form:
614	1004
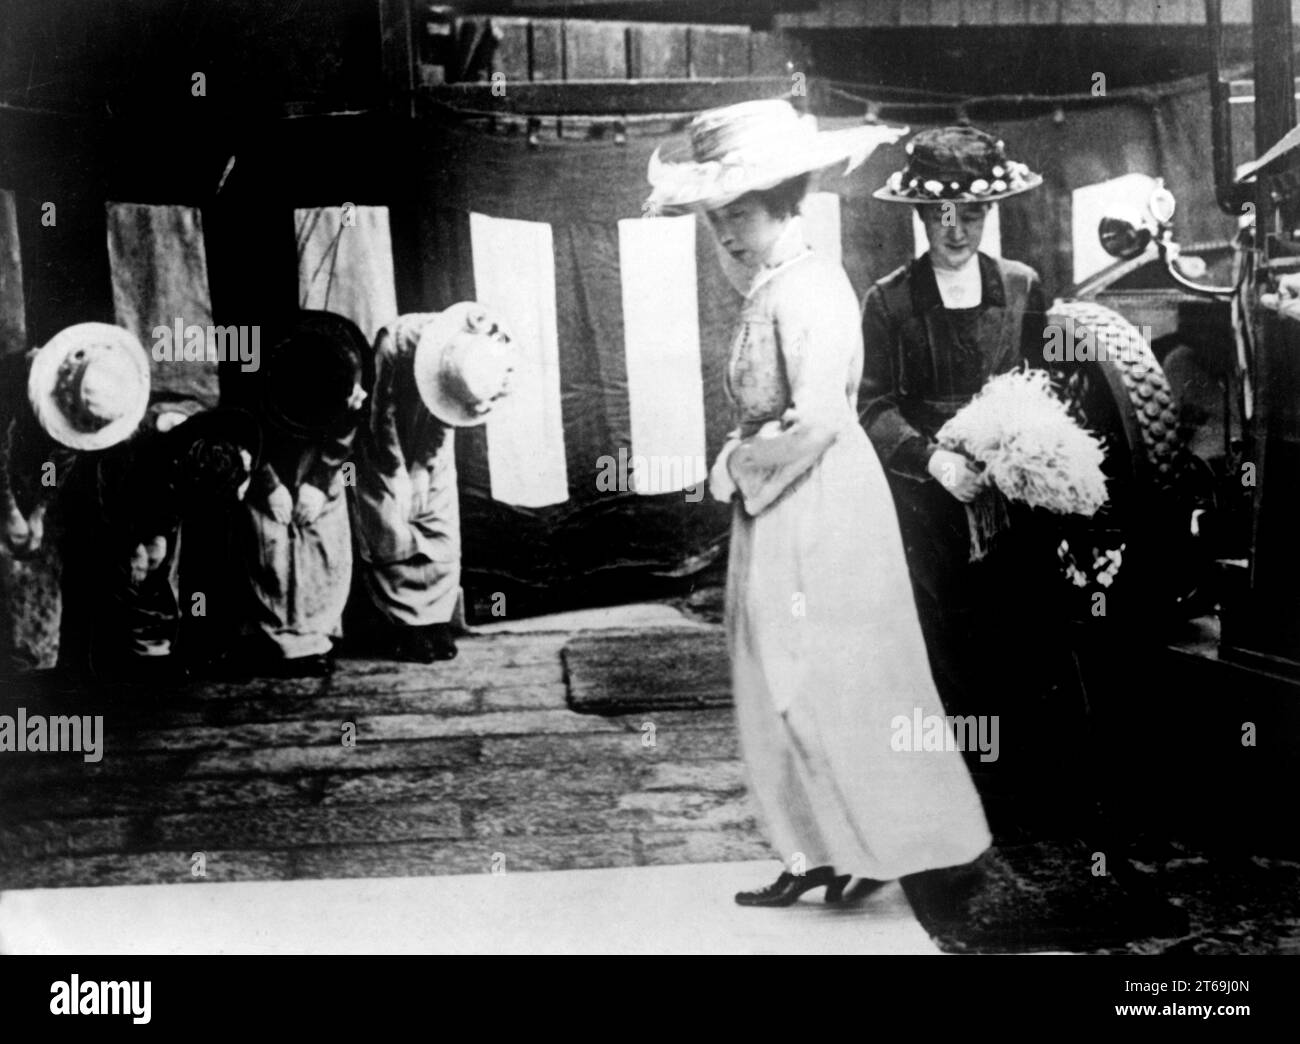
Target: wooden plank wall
852	14
551	50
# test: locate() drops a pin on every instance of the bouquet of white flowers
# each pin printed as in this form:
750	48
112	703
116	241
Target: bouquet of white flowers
1031	451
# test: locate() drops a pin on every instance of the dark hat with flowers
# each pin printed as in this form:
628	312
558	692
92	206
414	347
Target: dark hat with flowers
959	165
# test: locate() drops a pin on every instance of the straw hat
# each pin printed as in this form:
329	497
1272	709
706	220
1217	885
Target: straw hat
463	364
957	165
89	385
750	147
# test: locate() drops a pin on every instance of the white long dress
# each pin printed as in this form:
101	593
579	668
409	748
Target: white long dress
825	644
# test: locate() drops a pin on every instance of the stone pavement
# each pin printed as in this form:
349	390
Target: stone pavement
384	769
396	794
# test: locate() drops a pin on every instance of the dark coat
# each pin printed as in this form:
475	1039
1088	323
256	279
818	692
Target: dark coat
922	363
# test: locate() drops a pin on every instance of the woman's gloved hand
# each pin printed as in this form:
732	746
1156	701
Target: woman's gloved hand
722	486
311	502
419	501
279	505
956	474
36	526
139	564
156	551
16	532
25	536
748	476
403	491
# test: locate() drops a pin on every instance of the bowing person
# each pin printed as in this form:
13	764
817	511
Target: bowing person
86	392
314	386
435	372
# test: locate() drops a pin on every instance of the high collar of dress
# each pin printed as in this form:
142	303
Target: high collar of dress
790	247
925	284
960	287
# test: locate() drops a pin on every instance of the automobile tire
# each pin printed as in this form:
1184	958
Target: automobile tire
1147	409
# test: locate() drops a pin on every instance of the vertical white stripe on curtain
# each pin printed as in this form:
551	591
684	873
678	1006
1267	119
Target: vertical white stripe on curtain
661	336
345	264
821	222
514	274
160	274
991	244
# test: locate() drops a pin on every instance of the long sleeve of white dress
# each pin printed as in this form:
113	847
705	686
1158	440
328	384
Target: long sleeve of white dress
819	343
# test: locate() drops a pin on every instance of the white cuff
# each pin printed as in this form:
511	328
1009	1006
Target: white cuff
721	484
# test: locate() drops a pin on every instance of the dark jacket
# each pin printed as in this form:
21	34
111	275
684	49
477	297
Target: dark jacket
922	364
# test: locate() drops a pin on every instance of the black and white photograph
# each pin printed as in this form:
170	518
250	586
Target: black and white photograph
650	477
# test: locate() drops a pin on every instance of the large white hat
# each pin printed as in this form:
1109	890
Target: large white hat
750	147
89	385
462	379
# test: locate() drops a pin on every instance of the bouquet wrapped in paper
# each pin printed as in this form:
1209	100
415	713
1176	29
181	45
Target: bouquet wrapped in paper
1031	451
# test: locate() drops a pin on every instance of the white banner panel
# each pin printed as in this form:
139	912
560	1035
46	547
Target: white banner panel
661	336
159	270
345	264
514	274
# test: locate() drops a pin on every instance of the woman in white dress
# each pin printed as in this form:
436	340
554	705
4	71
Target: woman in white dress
829	667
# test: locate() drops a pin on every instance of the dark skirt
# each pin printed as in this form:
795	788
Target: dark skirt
998	631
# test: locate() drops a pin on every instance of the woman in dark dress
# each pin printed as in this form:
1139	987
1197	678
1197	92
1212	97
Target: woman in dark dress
934	332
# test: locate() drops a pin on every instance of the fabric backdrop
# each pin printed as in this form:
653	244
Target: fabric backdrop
641	313
625	321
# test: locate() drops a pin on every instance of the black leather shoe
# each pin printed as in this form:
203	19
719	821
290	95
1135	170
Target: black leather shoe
424	644
787	888
407	645
318	666
442	644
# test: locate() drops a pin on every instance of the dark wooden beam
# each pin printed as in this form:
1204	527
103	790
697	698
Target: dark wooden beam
604	97
895	14
397	56
737	12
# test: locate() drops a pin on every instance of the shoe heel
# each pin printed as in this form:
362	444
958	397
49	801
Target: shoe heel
835	888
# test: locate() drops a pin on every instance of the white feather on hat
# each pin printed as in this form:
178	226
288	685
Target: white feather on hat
750	147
